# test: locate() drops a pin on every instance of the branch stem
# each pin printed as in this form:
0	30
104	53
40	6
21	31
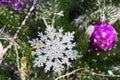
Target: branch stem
67	74
21	25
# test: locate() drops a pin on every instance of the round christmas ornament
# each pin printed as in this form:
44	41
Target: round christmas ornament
102	36
4	2
16	4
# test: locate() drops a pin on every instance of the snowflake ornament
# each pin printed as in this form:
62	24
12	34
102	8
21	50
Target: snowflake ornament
56	51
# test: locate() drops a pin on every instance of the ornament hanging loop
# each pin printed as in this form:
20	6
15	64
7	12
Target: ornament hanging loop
102	18
102	11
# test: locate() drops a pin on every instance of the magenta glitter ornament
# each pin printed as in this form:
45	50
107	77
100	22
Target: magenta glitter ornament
103	37
16	4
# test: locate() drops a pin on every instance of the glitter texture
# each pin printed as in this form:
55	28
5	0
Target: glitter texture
16	4
103	37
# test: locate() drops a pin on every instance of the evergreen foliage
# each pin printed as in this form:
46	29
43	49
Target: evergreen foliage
17	63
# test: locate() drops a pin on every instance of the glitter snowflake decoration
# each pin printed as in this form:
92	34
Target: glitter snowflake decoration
56	51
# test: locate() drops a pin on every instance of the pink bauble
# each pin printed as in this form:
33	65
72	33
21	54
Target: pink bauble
103	37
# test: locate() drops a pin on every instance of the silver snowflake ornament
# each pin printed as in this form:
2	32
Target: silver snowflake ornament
57	50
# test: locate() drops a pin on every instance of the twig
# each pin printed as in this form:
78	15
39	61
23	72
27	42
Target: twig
17	57
21	26
67	74
24	21
24	70
93	74
53	21
12	40
104	75
44	20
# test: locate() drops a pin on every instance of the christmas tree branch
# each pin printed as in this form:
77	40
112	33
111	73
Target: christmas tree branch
21	26
53	21
44	20
93	74
17	57
24	21
104	75
68	74
21	70
24	69
13	42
